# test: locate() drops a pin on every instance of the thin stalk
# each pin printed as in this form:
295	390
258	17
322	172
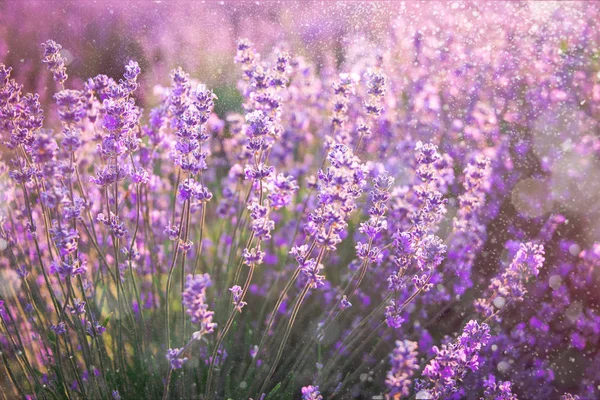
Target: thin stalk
285	338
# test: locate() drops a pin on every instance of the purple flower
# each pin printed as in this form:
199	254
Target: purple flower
132	70
452	360
497	390
71	106
59	329
236	292
67	269
172	232
55	61
253	256
393	318
194	301
262	228
79	308
311	393
344	303
376	83
366	252
311	270
175	360
431	252
113	222
94	329
510	284
404	363
258	124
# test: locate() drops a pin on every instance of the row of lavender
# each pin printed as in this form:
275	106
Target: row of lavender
313	245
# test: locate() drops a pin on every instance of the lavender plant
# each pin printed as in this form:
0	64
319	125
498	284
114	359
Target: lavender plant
374	227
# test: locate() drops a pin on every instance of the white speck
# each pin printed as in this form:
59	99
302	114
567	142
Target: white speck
3	244
243	385
499	302
503	366
494	347
574	311
555	281
574	249
423	395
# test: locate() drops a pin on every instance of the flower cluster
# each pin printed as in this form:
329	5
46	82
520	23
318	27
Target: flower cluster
55	61
351	194
509	286
469	230
452	360
404	364
194	301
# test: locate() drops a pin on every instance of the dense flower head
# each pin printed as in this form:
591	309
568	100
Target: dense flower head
282	188
55	61
509	285
469	231
44	148
236	293
431	252
340	185
71	106
59	328
113	223
175	359
67	269
253	256
21	115
453	360
194	301
258	124
311	393
404	363
376	83
393	316
497	390
311	270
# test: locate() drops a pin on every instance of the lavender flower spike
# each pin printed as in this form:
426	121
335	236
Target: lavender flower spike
194	300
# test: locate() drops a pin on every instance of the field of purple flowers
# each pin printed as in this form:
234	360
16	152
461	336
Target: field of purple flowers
235	200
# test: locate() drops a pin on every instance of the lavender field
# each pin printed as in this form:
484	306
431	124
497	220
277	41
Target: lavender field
299	200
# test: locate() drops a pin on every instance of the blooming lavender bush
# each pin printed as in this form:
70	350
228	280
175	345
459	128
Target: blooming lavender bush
402	222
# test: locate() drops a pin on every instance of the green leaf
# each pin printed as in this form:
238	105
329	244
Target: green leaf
107	319
52	337
274	391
